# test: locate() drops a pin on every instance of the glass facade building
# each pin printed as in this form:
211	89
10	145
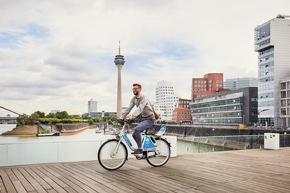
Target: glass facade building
237	83
226	108
272	42
92	107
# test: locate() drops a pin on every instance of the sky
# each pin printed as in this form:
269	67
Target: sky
57	55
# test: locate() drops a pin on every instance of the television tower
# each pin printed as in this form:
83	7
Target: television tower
119	61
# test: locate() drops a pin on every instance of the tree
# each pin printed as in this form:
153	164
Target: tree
62	115
50	115
41	114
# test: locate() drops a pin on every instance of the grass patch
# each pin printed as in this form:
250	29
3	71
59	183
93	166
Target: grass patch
25	130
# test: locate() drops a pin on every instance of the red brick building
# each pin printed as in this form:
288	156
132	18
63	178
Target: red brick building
183	103
181	115
211	83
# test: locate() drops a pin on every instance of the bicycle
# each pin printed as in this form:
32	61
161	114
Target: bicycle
113	154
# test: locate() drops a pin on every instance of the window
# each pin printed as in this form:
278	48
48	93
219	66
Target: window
283	111
283	103
283	94
283	85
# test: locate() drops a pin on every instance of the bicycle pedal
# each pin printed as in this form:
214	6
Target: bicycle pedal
139	157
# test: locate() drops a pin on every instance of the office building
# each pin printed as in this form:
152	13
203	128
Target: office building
226	108
272	42
237	83
284	120
211	83
92	107
166	101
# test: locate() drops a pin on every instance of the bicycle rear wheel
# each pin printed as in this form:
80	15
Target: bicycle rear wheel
161	154
112	157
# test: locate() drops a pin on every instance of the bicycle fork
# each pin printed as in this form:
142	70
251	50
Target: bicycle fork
115	151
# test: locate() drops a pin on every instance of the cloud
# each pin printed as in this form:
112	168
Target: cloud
58	55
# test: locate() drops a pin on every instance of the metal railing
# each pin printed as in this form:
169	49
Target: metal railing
193	144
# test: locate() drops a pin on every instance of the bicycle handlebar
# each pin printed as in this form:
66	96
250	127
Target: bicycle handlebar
121	121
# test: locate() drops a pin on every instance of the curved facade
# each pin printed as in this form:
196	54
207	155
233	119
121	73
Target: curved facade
166	100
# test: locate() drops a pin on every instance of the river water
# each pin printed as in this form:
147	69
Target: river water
86	135
183	147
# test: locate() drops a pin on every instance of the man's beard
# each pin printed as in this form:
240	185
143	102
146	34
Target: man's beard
136	93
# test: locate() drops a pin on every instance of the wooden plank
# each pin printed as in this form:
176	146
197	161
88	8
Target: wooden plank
2	188
31	180
37	178
7	182
85	180
23	181
67	180
235	171
52	183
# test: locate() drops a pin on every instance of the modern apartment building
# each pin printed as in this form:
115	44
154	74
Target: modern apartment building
211	83
272	42
284	120
226	108
166	101
237	83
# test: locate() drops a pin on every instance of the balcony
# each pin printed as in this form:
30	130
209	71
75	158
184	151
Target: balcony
263	44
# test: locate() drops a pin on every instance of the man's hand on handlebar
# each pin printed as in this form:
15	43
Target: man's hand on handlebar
126	119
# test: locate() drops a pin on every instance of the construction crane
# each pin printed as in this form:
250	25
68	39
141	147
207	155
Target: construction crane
280	16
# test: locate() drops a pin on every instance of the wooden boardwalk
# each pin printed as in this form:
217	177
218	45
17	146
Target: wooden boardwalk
232	171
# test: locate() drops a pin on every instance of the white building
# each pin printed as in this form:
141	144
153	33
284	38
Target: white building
272	42
166	100
92	106
237	83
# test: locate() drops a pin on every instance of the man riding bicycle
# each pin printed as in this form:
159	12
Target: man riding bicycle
145	109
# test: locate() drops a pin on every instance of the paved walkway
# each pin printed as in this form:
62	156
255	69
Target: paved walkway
232	171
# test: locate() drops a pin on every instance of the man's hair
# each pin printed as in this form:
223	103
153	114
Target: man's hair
139	85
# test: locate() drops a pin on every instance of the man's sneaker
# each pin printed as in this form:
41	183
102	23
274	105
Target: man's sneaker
137	151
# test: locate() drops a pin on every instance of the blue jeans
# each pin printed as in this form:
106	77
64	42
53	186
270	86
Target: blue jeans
145	123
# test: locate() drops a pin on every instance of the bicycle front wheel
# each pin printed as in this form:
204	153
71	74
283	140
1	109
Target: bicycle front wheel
161	155
112	156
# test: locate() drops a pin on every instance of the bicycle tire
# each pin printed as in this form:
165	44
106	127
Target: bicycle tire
161	154
106	159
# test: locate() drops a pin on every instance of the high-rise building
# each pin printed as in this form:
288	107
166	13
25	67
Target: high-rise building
92	107
272	42
211	83
237	83
166	101
119	62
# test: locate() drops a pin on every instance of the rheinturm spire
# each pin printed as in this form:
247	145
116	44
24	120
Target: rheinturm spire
119	62
119	47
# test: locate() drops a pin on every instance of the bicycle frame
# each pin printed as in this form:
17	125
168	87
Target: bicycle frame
147	144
